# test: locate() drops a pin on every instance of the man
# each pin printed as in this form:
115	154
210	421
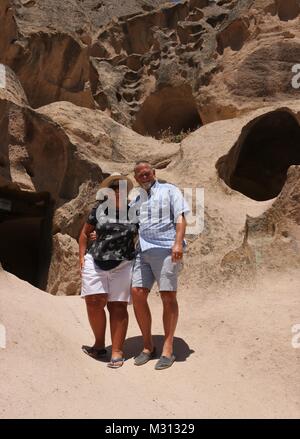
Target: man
162	227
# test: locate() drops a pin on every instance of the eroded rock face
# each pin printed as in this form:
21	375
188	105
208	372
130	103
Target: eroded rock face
259	50
226	53
156	59
45	50
64	151
47	45
222	58
10	87
36	153
271	240
76	87
64	273
33	150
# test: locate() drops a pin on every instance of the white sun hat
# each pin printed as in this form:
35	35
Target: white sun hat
115	176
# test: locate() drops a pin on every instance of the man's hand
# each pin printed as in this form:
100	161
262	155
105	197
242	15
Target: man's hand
81	263
177	252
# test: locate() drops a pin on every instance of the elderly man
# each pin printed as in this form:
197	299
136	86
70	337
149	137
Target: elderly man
161	211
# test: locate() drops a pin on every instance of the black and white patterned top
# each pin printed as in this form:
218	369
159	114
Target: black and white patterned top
115	240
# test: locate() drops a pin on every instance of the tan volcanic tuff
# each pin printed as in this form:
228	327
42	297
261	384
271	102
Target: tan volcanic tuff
154	66
233	347
206	92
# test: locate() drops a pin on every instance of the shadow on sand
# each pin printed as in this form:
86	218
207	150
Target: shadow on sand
134	345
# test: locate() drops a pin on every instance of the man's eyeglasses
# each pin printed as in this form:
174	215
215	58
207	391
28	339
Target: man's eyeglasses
144	174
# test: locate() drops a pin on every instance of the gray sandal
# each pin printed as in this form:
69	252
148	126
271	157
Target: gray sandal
144	357
116	363
165	362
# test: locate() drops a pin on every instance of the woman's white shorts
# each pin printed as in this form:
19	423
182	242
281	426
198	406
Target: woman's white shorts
116	282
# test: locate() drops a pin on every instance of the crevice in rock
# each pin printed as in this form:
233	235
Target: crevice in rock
257	164
233	36
170	109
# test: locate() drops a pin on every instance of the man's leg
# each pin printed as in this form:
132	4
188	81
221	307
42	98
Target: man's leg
143	315
95	305
166	273
170	318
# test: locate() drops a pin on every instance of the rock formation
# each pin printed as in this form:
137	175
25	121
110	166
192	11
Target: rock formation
87	95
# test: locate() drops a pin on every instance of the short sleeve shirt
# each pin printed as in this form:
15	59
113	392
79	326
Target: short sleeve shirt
115	238
157	214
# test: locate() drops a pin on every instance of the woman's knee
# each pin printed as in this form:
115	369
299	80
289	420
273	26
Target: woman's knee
96	300
117	306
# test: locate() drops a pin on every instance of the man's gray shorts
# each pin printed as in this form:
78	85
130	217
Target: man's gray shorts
153	265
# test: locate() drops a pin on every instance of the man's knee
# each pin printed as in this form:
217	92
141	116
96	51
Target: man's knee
139	295
169	298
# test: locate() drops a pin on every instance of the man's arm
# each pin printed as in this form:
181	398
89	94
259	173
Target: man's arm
177	249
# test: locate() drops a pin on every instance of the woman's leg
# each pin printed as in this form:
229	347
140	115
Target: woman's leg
118	326
95	305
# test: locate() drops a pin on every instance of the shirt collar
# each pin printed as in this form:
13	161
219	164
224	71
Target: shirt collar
154	186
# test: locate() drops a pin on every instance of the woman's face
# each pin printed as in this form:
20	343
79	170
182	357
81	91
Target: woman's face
120	199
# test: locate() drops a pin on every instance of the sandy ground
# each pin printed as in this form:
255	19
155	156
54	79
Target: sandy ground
234	351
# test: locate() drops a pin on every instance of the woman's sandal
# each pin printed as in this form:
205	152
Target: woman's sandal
94	352
115	363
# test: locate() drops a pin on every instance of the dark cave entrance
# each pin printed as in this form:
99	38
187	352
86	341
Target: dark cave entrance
26	234
170	110
288	9
257	164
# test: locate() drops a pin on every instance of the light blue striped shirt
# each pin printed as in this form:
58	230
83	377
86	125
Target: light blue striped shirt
157	214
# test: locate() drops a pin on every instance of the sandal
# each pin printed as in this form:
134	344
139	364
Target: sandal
113	364
144	357
165	362
93	352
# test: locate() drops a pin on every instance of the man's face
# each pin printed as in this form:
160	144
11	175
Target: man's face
144	175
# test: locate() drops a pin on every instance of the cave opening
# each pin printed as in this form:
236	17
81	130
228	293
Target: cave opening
288	9
257	164
168	111
26	234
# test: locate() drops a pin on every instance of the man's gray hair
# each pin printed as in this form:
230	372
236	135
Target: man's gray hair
142	162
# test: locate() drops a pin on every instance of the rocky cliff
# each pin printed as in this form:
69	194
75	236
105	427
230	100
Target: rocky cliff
90	86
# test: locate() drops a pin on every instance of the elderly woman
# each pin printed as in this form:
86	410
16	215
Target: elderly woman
106	267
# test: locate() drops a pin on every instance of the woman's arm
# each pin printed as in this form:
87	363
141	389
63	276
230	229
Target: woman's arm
83	240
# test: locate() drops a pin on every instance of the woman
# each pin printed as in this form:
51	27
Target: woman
106	268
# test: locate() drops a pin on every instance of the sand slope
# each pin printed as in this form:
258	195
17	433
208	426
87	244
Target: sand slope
235	357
